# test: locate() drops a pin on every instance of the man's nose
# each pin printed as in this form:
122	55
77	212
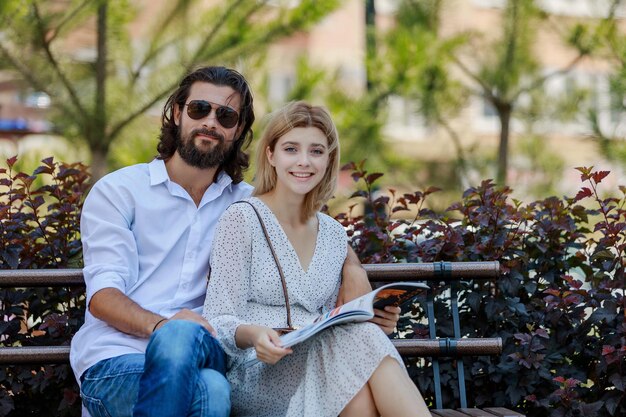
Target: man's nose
210	119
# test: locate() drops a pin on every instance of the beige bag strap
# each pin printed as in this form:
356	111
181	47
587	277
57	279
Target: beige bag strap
280	269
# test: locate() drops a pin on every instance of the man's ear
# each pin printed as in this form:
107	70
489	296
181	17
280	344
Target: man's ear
238	132
270	156
176	114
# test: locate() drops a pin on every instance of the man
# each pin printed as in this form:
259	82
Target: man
147	231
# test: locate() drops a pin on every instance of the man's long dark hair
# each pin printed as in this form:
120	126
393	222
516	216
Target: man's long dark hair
237	160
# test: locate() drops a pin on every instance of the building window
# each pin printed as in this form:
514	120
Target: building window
580	8
618	106
280	85
488	110
38	100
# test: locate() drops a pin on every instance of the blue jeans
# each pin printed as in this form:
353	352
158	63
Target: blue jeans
181	374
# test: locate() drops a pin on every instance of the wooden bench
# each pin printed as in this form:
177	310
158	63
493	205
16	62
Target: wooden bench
448	273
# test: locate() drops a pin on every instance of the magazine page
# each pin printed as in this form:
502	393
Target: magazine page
397	294
348	312
357	310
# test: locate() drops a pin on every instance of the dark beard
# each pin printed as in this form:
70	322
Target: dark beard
211	158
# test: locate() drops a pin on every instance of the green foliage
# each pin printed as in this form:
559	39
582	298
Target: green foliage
510	58
609	41
39	228
559	305
543	168
40	214
99	89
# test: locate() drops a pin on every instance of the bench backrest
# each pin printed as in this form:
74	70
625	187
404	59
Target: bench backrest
450	273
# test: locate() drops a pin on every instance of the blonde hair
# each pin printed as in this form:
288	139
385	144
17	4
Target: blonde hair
293	115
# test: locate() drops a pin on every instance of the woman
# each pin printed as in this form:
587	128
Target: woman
347	370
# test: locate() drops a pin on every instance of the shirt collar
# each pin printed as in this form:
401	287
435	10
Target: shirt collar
224	180
159	175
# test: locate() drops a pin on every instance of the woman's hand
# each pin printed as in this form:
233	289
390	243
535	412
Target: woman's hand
267	345
387	319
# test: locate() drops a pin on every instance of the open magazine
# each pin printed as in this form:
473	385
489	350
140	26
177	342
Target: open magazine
359	309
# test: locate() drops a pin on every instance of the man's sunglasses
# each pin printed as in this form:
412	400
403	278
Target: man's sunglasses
198	109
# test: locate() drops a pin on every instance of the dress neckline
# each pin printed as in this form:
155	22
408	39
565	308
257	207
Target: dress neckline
290	246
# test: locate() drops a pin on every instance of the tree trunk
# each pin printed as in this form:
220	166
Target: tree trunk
98	167
98	136
504	113
100	116
370	38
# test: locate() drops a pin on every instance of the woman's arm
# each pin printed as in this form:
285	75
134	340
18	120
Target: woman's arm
354	282
227	292
228	289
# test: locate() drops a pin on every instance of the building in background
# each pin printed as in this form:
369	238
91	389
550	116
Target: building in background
338	44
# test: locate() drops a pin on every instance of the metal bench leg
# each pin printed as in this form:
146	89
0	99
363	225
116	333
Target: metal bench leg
460	369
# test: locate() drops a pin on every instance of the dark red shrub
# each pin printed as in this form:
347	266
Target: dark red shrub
39	228
558	305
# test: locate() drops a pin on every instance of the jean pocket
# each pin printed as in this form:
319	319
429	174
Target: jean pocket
95	406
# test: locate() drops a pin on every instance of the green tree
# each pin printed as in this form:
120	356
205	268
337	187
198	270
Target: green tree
505	69
97	95
413	60
612	144
409	61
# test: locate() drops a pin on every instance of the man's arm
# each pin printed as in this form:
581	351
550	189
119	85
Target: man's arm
111	260
116	309
354	282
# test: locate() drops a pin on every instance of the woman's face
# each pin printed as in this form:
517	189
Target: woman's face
300	158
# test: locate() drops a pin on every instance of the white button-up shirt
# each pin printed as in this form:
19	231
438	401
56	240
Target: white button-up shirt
143	234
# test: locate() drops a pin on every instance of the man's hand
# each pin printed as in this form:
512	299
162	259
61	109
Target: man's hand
116	309
354	279
189	315
387	319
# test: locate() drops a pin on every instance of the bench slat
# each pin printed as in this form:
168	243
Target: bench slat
448	412
476	412
503	412
375	272
406	347
427	270
465	347
41	278
34	355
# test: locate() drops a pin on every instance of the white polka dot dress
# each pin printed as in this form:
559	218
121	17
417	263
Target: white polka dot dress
323	373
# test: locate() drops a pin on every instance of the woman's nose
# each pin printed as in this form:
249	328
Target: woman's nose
303	159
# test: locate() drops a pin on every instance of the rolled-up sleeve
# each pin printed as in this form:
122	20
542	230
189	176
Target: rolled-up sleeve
229	284
109	246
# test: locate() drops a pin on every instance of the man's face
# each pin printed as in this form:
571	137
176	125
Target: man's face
204	142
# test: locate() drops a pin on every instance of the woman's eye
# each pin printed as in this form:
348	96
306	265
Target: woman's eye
290	149
318	151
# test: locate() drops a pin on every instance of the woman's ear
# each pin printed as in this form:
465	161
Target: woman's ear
270	156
